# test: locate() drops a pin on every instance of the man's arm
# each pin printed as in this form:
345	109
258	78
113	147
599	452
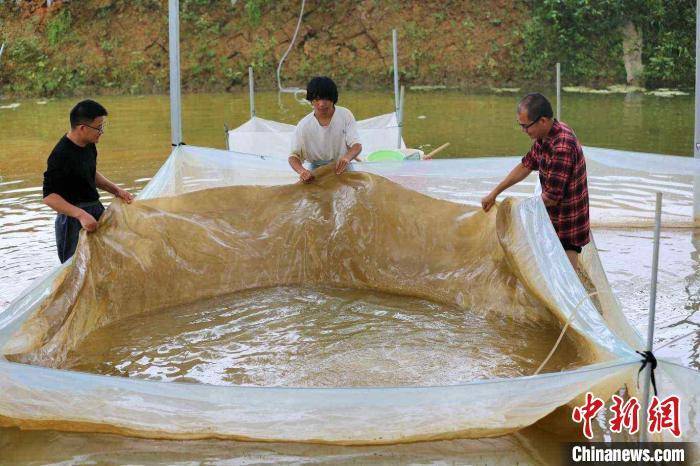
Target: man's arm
103	183
295	162
60	205
352	142
516	175
343	162
54	182
295	155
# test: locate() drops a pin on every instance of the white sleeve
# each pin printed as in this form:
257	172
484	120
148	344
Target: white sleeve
297	146
352	136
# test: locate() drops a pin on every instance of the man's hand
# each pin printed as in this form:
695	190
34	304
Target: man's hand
306	176
87	221
488	201
341	164
124	195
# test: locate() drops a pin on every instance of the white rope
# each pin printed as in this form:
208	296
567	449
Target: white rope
300	96
561	335
571	317
291	44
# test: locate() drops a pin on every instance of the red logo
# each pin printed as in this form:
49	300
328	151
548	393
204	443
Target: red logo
664	415
661	414
587	412
625	415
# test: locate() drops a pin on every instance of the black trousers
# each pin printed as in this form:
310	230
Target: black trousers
68	229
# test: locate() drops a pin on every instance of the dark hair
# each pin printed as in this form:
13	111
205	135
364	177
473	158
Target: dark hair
536	105
322	87
86	111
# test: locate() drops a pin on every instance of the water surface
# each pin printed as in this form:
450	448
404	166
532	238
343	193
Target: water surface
321	337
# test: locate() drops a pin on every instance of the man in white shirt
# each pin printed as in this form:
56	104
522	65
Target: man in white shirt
326	135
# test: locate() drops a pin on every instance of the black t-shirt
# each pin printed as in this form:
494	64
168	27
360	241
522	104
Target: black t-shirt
71	171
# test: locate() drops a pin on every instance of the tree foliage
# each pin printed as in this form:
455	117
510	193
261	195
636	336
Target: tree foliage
585	36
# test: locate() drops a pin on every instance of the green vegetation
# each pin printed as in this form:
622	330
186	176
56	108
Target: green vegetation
121	46
254	10
585	37
58	27
670	47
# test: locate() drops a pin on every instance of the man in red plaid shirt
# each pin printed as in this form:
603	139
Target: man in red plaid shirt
556	154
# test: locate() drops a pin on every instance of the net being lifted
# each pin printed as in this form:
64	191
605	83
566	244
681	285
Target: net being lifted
622	183
211	222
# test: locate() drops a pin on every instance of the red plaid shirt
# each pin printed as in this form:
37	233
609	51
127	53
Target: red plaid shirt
562	167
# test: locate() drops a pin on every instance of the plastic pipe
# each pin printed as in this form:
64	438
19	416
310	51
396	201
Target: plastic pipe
696	145
652	318
558	91
174	52
400	116
251	91
395	38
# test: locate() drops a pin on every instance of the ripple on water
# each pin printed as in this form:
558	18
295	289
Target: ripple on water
319	337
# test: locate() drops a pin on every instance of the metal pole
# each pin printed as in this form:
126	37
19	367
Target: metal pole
2	49
400	116
696	146
652	318
251	91
395	37
559	91
175	97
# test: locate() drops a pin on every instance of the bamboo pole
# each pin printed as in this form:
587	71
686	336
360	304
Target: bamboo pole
435	151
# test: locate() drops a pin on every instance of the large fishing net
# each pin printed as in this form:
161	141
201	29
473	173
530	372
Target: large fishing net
215	223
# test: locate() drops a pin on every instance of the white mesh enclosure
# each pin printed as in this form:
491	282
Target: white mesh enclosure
258	136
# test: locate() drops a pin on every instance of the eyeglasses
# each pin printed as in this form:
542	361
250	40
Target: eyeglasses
100	129
526	126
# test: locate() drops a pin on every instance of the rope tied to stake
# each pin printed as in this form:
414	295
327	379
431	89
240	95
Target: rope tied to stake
650	359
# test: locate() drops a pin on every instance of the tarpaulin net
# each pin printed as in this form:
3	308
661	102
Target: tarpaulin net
212	222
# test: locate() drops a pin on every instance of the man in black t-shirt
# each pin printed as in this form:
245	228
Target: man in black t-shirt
71	178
